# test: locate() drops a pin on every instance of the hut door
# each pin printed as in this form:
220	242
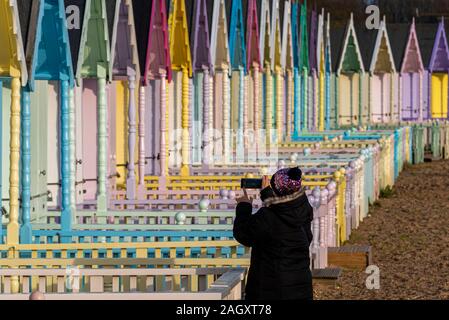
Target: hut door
439	95
410	96
345	97
1	148
153	127
355	91
197	125
89	128
112	134
53	138
386	97
376	98
40	127
6	102
121	131
79	143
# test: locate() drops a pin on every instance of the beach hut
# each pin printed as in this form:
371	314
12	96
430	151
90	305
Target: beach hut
13	75
202	81
382	80
322	74
326	68
435	55
276	111
92	72
287	65
407	56
122	110
348	74
220	60
237	55
328	73
48	142
254	82
152	37
75	20
264	17
296	11
313	91
181	63
301	82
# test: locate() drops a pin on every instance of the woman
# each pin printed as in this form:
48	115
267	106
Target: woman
279	235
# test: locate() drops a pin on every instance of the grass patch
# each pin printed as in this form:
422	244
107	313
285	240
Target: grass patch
387	192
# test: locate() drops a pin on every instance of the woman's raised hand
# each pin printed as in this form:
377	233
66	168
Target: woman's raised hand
245	198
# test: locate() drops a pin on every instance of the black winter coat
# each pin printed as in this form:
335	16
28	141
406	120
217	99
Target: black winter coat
279	235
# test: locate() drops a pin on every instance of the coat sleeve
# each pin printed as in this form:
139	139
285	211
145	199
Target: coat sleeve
308	224
249	228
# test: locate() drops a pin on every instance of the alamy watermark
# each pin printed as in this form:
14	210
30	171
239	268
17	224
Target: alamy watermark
373	20
73	17
72	280
372	282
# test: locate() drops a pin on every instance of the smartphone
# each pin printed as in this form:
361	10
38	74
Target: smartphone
251	183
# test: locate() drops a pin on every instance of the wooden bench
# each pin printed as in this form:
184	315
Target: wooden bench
349	257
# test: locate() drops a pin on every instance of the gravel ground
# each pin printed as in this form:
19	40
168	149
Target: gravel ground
409	235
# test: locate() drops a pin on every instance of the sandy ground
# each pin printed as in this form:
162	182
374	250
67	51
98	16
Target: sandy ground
409	235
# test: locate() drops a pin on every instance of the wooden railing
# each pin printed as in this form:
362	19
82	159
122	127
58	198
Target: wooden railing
138	284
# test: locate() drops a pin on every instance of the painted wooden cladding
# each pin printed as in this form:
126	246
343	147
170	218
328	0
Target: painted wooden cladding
349	90
1	162
89	138
411	96
94	50
181	61
5	135
439	95
39	142
12	56
158	55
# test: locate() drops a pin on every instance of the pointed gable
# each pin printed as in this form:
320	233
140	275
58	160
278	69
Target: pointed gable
51	59
141	11
399	37
237	46
405	47
313	40
440	53
252	34
287	50
179	37
275	39
426	33
295	8
368	38
200	33
75	7
328	45
219	35
382	57
157	50
94	46
12	55
30	14
320	45
264	31
303	41
350	59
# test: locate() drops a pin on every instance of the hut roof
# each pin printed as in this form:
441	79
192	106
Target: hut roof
426	33
399	35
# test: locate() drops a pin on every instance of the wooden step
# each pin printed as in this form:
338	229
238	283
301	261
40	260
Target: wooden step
327	276
349	257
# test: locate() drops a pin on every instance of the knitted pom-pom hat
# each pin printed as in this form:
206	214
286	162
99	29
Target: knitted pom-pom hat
286	181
